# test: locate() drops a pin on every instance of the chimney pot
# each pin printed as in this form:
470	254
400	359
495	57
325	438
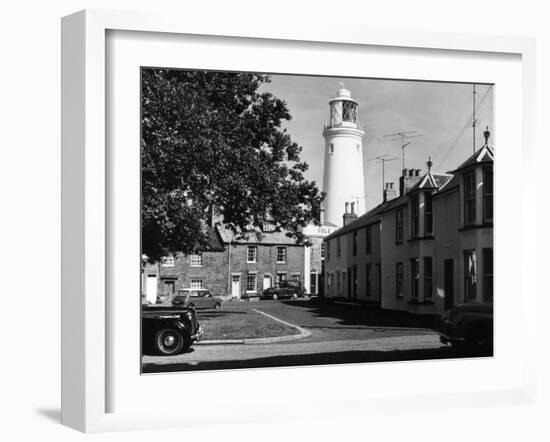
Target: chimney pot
405	172
347	208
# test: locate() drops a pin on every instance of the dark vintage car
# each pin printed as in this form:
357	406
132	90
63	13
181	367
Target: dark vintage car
285	289
197	298
168	330
468	327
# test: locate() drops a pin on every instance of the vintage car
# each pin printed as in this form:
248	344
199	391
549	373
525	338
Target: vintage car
168	330
285	289
468	327
197	298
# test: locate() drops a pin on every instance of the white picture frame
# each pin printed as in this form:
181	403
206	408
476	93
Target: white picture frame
85	201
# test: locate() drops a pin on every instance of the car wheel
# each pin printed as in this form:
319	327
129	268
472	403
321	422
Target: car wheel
217	306
170	341
275	297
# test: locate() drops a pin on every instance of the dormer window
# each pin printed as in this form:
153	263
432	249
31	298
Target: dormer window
470	198
415	215
428	214
487	194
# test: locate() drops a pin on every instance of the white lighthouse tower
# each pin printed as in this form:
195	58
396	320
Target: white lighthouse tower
344	174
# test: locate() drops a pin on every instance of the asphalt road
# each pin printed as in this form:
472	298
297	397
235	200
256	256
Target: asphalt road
339	334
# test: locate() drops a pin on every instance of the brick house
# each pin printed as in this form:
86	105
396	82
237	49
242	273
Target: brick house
233	266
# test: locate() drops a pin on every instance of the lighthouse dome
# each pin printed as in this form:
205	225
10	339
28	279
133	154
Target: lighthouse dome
343	93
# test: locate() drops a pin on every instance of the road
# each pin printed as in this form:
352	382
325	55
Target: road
339	334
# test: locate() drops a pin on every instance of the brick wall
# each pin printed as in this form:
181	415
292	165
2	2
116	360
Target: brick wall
266	264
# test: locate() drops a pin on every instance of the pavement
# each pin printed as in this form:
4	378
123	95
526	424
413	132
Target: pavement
337	334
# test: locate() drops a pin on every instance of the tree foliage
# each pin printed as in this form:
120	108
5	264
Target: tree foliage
212	139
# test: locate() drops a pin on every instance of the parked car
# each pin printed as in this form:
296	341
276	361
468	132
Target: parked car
197	298
168	330
468	327
285	289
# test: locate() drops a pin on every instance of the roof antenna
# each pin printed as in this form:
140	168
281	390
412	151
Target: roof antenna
474	121
402	136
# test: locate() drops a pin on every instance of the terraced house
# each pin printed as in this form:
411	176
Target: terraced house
425	250
233	266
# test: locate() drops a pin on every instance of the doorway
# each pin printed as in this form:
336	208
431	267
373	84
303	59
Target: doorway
236	286
151	289
449	283
267	282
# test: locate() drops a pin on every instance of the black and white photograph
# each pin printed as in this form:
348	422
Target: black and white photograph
293	220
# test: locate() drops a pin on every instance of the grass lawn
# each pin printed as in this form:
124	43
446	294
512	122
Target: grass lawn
241	324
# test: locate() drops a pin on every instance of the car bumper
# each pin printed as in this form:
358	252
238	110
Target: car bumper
197	336
446	339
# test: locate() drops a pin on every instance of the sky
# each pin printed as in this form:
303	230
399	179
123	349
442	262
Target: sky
440	112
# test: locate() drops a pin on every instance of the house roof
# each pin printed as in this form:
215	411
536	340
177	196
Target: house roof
256	236
367	218
485	154
432	181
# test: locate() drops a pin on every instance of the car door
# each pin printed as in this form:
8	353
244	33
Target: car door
206	300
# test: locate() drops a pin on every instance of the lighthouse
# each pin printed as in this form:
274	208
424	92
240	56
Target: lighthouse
343	180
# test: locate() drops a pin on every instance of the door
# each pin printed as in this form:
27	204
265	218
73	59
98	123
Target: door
449	283
151	289
267	282
313	283
236	286
169	288
349	283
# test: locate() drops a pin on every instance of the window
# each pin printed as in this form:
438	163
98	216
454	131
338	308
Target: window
196	283
470	198
415	213
488	275
355	243
268	227
338	249
369	239
428	214
252	254
470	275
329	280
487	194
331	148
196	260
399	225
415	276
328	250
399	280
354	281
368	273
281	276
349	111
281	254
295	277
428	278
168	261
322	250
338	282
251	282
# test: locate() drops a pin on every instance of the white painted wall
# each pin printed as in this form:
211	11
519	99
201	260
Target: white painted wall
344	173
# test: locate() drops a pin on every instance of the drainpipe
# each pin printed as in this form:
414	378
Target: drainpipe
229	268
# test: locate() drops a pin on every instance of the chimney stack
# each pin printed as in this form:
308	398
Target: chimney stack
349	216
389	192
407	181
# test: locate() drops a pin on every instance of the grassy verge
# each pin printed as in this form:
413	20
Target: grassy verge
243	324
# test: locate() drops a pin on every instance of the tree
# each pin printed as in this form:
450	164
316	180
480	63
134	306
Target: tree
211	139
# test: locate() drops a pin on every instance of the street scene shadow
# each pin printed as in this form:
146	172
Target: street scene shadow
345	357
371	316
